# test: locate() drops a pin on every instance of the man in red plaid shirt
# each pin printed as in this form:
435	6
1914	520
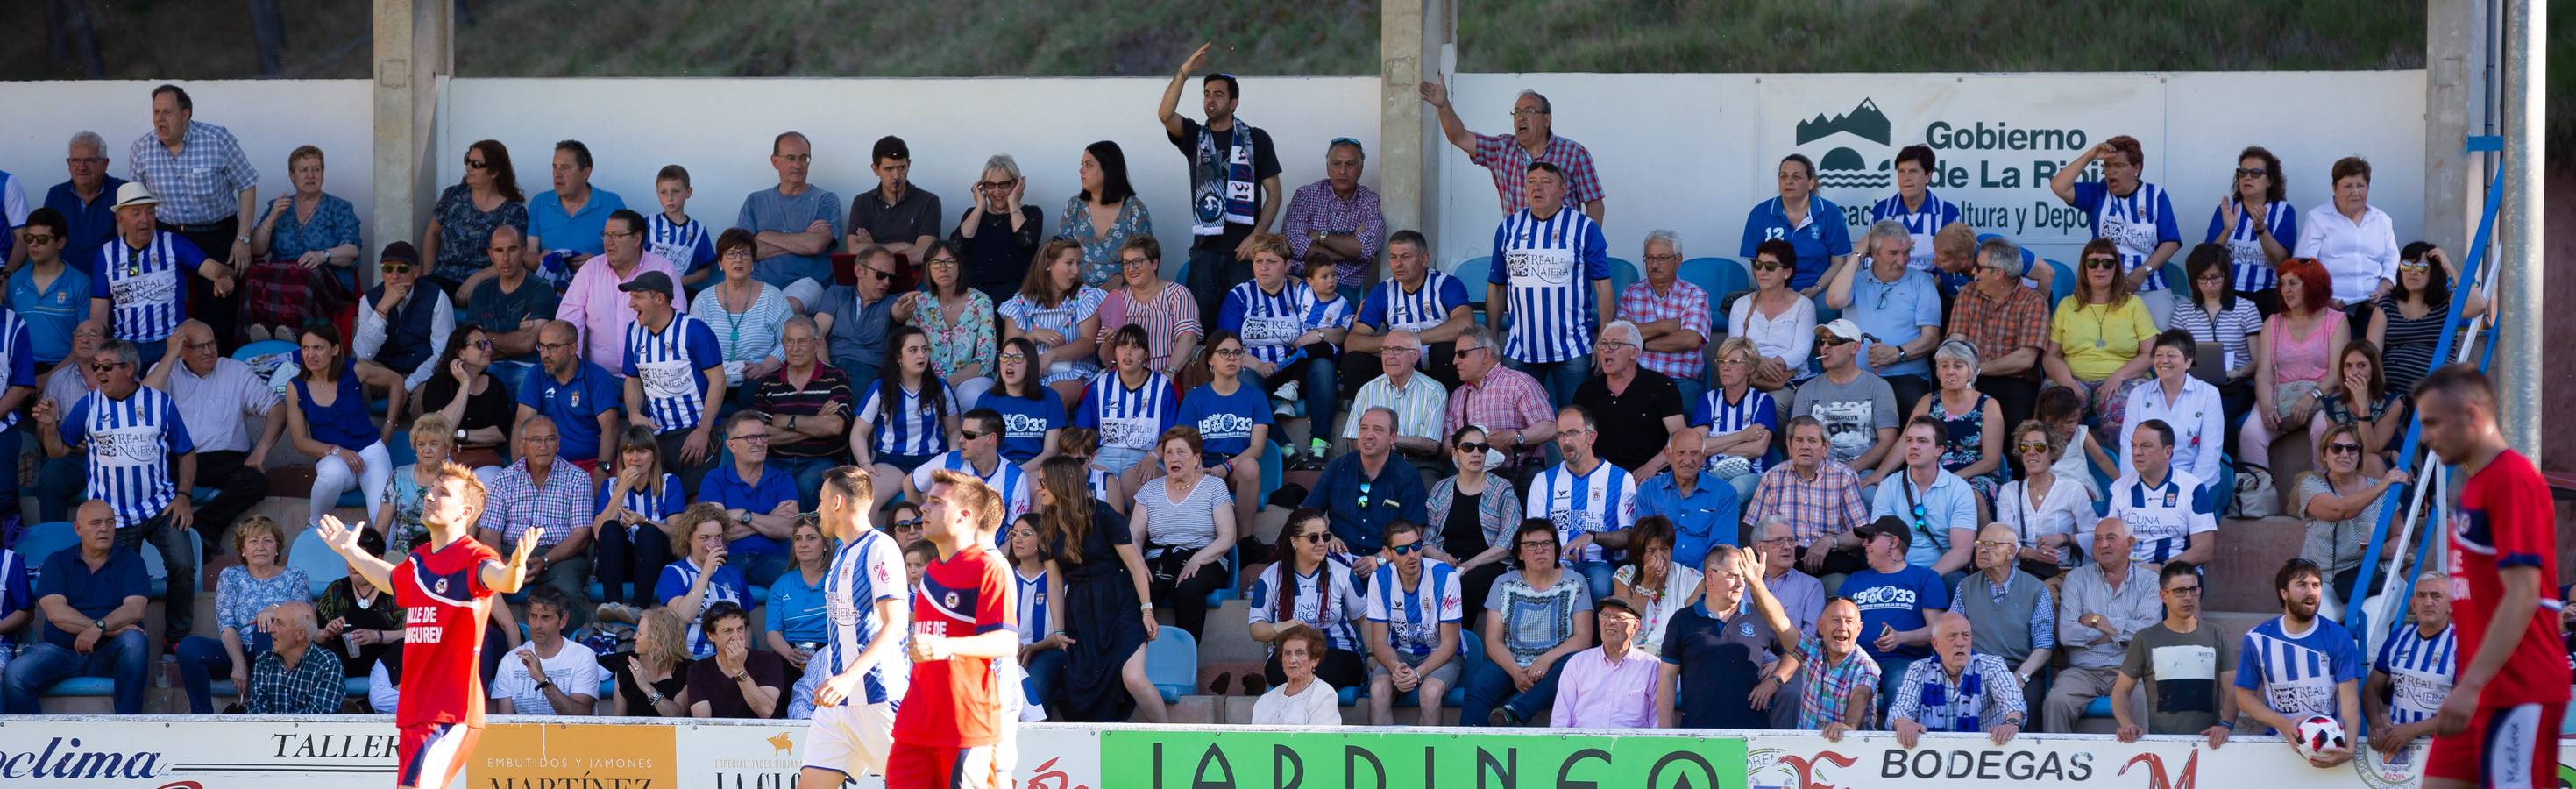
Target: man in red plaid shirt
1672	314
1508	156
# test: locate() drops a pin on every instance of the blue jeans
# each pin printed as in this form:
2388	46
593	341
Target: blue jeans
1560	379
1320	388
1491	684
808	473
200	658
1598	576
759	569
1891	675
122	657
1045	671
1691	389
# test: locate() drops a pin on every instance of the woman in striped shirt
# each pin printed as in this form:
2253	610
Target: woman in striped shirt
632	507
910	417
1055	310
2254	225
1739	418
2215	316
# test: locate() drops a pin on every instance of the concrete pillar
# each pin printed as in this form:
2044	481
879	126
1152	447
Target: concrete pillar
2455	107
2522	77
414	54
1411	38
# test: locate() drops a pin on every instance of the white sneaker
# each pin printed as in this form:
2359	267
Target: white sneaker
1287	392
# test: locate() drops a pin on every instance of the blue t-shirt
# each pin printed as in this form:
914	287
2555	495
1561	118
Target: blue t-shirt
574	406
93	593
1895	600
2296	675
1895	313
52	313
1822	238
724	485
556	230
796	609
728	586
1225	422
1025	422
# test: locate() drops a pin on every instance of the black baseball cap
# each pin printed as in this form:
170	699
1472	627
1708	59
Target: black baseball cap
650	282
1889	525
1607	603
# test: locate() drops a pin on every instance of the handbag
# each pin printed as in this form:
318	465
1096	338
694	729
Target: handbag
2255	495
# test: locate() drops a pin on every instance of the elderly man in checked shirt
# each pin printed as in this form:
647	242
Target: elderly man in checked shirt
1961	691
1819	496
1673	315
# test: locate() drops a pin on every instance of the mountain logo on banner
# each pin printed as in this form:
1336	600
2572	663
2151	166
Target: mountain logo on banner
1860	156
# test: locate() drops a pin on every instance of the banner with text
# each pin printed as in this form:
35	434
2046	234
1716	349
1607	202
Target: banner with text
182	753
1419	759
768	756
1809	761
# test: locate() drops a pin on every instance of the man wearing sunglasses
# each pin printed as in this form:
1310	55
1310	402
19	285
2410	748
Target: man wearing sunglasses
138	458
86	201
978	452
1859	410
855	318
49	292
400	324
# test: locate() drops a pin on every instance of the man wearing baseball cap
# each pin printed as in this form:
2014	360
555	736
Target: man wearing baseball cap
139	280
1898	602
1611	686
674	377
1858	409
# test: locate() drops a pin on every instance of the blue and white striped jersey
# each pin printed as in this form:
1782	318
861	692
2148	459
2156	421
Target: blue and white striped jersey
2138	223
1920	223
913	426
1721	417
1269	322
2420	672
1579	504
1390	307
2296	674
17	359
1129	418
1547	267
1007	479
672	363
2253	270
865	570
145	289
688	246
131	445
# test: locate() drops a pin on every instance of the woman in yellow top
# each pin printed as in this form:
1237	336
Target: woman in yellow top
2098	339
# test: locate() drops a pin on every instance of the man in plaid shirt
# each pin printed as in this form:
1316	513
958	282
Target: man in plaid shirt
1507	404
1508	156
293	678
529	494
2008	321
1838	683
1337	222
1672	314
209	195
1819	496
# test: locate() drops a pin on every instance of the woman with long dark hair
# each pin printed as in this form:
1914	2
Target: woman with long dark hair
909	417
2408	325
486	412
329	419
632	506
461	223
1469	514
1306	587
1097	580
2253	226
2359	396
1032	414
1104	214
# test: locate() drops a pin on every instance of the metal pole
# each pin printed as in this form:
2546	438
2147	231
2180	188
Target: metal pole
2519	326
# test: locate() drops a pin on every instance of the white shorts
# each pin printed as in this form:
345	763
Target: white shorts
851	739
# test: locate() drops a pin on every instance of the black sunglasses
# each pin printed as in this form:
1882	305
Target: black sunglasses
1407	548
2341	447
1474	447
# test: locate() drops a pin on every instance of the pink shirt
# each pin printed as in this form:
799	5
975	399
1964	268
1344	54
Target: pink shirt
1595	693
593	303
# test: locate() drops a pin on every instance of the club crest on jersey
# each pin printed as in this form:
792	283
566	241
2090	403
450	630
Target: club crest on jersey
439	586
576	398
949	600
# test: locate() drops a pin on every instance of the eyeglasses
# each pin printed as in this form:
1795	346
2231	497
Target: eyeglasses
1768	266
617	234
992	185
795	158
1008	357
941	262
1663	257
753	438
2185	590
2343	447
970	435
555	346
1229	353
1405	549
48	238
472	163
1316	536
2255	172
1776	541
1996	543
1618	345
1528	544
1527	111
394	268
1136	261
914	523
1401	349
482	345
2094	263
1474	447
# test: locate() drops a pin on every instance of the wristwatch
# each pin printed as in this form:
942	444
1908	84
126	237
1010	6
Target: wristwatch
545	685
1147	607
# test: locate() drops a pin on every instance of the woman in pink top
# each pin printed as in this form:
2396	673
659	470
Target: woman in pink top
2296	356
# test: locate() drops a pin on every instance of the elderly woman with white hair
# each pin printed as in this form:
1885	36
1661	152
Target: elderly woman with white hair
999	235
1636	409
1973	443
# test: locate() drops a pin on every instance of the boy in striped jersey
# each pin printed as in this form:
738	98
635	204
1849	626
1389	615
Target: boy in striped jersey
870	608
2413	670
1550	285
675	236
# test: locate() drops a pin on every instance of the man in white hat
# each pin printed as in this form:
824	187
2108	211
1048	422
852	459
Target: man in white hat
1858	409
146	272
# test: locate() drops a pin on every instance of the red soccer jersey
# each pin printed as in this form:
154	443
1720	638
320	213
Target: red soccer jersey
2505	519
445	604
956	703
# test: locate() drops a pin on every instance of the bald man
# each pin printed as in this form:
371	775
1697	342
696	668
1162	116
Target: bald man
2100	607
2015	616
217	397
1962	690
582	398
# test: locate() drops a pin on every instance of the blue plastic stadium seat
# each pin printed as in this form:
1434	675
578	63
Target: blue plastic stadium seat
1623	272
1718	276
2176	277
88	686
2061	287
1348	696
43	540
2100	708
1271	472
255	350
1234	583
1172	663
353	686
223	689
321	565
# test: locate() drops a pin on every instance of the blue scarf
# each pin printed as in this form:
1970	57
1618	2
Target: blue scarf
1971	688
1212	210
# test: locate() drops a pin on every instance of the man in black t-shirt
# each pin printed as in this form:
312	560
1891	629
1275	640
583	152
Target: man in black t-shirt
1233	192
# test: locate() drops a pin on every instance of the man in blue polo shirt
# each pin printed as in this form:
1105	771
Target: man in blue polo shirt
759	502
1704	516
581	398
573	214
87	201
1897	308
48	292
102	588
1363	490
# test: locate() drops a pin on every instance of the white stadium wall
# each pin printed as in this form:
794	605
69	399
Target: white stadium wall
1688	152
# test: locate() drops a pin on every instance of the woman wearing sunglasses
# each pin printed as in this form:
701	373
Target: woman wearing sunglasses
1780	322
329	420
2041	506
466	392
1308	587
2409	323
2342	503
2098	339
1469	514
2296	360
2253	226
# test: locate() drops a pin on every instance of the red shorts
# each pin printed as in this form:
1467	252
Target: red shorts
941	767
2514	746
429	756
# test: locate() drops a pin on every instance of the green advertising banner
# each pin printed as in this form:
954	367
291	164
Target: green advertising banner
1175	759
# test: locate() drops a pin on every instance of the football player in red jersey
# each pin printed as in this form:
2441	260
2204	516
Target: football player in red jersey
2499	726
944	736
445	588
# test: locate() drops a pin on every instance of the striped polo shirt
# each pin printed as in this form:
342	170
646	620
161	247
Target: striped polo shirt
865	570
146	289
1268	322
131	443
1390	307
2137	223
912	426
672	363
686	244
2253	269
1129	418
1920	223
1579	504
1547	266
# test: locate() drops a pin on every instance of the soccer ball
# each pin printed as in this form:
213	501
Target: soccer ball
2319	734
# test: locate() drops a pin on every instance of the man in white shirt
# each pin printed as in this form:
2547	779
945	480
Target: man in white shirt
217	395
547	675
2170	513
2183	402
